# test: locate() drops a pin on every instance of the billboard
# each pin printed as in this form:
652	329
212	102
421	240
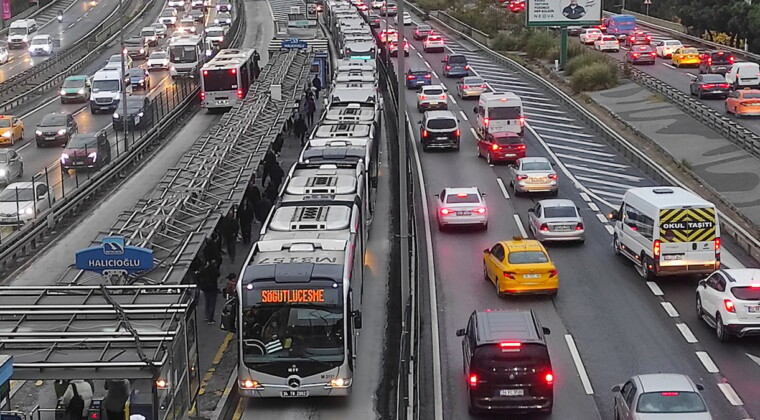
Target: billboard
564	12
6	9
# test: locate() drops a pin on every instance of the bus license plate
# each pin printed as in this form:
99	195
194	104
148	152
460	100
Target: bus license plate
223	102
294	394
511	392
673	257
753	309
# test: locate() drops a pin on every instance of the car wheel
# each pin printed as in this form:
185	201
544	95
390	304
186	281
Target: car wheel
700	310
720	329
515	192
485	273
644	270
728	111
489	159
616	245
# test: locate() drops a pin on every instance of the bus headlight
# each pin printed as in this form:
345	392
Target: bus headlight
340	383
249	384
2	172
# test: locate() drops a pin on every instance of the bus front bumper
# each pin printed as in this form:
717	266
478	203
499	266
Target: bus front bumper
305	391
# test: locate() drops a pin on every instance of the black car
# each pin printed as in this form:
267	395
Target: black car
374	20
137	47
506	362
139	113
55	129
139	78
86	151
710	85
198	15
714	61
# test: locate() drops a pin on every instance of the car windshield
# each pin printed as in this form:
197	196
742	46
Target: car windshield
536	166
609	38
423	28
215	32
672	43
183	54
457	59
419	72
746	293
5	123
17	31
671	402
462	198
564	211
689	51
750	95
433	91
135	102
73	83
167	13
442	123
53	121
105	86
158	55
527	257
11	195
713	78
40	41
646	48
148	32
473	81
83	142
137	72
134	42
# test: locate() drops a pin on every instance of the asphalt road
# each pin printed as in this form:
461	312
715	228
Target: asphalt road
611	313
78	20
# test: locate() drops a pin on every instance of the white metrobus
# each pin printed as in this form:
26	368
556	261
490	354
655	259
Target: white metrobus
225	79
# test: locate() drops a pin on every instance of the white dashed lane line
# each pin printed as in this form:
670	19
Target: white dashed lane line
686	333
579	364
463	115
520	225
593	206
670	309
610	229
707	362
655	288
454	101
502	188
434	73
730	394
474	134
585	197
602	218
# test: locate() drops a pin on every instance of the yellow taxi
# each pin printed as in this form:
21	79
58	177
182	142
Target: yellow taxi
11	129
520	266
686	56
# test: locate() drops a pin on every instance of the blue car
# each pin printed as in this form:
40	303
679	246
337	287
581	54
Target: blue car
418	77
455	65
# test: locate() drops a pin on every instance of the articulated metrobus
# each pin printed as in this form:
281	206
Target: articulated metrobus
225	79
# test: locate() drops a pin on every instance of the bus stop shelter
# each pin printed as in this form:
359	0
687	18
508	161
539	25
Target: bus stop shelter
146	334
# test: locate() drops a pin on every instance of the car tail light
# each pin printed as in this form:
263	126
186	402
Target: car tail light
520	147
484	86
203	96
410	77
466	66
731	59
653	54
544	228
754	286
717	252
709	61
448	67
427	76
708	85
549	378
457	133
486	121
681	57
649	38
635	55
240	93
481	210
669	394
553	273
423	97
509	275
522	177
495	147
445	211
233	71
465	87
579	226
473	380
729	305
424	133
656	249
724	85
521	120
510	345
443	96
552	176
205	72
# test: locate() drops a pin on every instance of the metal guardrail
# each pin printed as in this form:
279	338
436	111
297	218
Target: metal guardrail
34	234
47	74
745	239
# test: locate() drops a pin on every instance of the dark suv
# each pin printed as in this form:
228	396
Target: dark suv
440	130
716	62
137	47
455	65
506	362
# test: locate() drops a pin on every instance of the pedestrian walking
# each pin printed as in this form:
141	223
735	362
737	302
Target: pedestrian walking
211	250
262	209
311	108
317	83
230	287
271	192
269	159
300	128
276	175
277	144
77	399
252	194
210	289
116	399
230	229
245	219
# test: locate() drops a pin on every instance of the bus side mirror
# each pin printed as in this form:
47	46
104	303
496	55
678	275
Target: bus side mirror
460	332
357	319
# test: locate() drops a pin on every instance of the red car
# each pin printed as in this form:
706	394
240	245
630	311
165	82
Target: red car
501	147
516	6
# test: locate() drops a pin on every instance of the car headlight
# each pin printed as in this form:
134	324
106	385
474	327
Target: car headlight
93	156
26	211
38	132
142	50
62	92
116	115
46	47
61	131
2	172
7	134
229	20
80	91
140	114
64	157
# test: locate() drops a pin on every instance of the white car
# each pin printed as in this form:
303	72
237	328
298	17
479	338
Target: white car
377	4
19	200
176	3
729	301
589	35
158	60
168	17
607	43
665	49
432	97
160	29
461	206
223	19
406	18
433	42
556	220
41	45
215	34
4	55
189	22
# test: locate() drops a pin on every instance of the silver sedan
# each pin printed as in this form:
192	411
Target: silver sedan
11	166
471	87
661	396
533	174
556	220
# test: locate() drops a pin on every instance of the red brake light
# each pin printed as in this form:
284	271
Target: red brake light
717	244
729	305
635	55
669	394
724	85
495	147
552	176
428	76
653	54
485	121
456	133
410	77
203	95
466	66
544	227
465	87
484	86
553	273
423	97
510	345
656	249
509	275
522	177
549	378
754	286
462	195
708	85
579	226
448	67
473	380
424	133
205	72
445	211
443	96
520	147
521	120
481	210
731	59
240	93
233	71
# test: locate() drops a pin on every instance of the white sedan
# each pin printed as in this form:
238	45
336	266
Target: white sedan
607	43
158	60
461	206
406	18
23	201
377	4
729	301
589	35
665	49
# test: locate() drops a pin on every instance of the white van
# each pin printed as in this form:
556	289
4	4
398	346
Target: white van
19	33
744	74
107	88
499	113
667	231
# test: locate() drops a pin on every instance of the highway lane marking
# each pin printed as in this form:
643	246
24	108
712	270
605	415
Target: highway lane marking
670	309
593	207
668	65
730	394
434	73
601	218
608	194
606	173
520	225
502	188
71	26
585	197
566	140
607	183
610	229
463	115
454	101
474	134
707	362
428	64
433	295
563	125
655	288
575	149
579	364
239	409
686	333
420	55
594	161
754	358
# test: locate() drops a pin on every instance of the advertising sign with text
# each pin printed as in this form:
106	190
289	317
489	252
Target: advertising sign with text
564	12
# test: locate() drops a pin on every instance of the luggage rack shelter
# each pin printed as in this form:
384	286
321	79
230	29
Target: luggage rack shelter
139	333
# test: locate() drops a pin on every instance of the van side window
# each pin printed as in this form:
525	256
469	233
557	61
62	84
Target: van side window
638	221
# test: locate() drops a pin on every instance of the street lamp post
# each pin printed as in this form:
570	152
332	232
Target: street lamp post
123	77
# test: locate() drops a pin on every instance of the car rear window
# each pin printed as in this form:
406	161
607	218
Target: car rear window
746	293
750	95
644	48
433	38
713	78
457	59
495	357
527	257
419	72
505	113
432	91
462	198
720	57
564	211
537	166
671	402
441	124
507	140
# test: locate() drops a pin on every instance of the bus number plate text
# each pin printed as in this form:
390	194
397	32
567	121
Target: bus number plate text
294	394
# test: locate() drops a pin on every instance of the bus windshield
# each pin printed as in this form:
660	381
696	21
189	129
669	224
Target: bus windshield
183	54
219	80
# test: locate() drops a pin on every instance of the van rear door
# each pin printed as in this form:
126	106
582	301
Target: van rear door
513	373
505	118
688	236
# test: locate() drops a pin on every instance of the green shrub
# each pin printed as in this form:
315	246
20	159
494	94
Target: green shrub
575	49
428	5
540	45
584	60
595	76
508	42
